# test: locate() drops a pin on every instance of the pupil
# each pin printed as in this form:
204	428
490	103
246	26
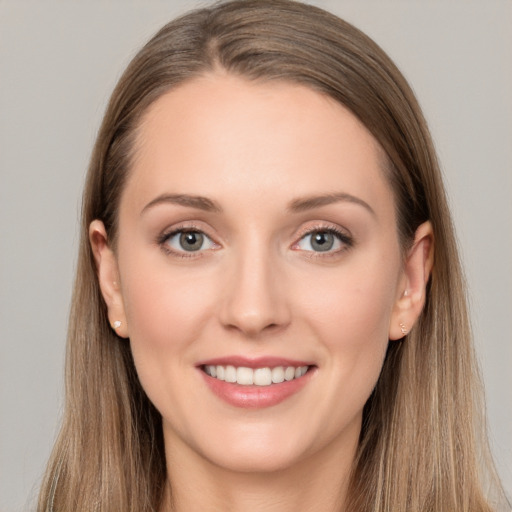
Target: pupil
322	241
191	241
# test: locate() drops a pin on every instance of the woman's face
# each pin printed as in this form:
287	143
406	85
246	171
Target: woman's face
257	233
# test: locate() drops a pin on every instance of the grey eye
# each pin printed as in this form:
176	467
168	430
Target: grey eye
322	241
191	241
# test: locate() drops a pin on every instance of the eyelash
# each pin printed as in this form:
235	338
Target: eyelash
164	238
343	237
346	240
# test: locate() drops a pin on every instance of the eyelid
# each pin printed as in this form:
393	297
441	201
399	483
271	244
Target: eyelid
322	226
186	227
342	234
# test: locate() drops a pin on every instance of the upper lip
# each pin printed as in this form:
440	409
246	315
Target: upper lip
256	362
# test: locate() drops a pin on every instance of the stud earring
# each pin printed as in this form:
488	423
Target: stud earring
403	328
406	292
116	324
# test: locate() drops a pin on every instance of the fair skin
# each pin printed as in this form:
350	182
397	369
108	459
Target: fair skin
266	272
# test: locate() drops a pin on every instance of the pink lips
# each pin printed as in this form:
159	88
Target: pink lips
252	396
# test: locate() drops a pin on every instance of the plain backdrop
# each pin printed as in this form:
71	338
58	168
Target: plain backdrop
58	64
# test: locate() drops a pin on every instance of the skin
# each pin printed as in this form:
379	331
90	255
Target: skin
258	288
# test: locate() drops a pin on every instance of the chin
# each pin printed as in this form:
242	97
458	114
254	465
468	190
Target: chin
253	460
259	448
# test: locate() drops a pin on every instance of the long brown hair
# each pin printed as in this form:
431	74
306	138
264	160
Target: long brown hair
422	446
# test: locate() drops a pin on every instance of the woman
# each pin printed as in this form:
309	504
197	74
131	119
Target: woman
269	310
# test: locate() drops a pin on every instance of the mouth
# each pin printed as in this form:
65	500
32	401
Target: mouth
256	383
264	376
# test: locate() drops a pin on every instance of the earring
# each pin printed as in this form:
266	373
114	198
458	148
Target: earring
403	328
406	292
116	324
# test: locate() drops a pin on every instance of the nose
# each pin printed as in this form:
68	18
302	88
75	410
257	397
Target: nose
255	300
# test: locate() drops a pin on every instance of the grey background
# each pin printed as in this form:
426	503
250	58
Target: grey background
58	64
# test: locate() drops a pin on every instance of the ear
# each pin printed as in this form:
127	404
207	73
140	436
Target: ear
412	287
108	277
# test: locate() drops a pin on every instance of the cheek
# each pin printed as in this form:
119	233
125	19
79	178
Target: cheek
166	311
350	314
353	306
354	330
166	316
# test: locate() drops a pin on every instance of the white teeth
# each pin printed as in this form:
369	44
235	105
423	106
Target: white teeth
230	374
211	370
263	377
289	373
244	376
259	376
277	375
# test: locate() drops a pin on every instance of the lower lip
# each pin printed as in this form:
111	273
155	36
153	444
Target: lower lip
256	397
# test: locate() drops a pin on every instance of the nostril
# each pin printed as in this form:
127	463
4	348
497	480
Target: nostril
253	302
255	329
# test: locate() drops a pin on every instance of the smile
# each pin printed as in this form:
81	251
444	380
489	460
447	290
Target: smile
256	383
265	376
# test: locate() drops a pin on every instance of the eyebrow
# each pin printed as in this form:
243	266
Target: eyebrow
297	205
198	202
309	203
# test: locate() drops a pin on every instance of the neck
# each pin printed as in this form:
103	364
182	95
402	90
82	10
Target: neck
317	483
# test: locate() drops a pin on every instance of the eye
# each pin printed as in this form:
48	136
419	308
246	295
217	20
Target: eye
188	241
323	240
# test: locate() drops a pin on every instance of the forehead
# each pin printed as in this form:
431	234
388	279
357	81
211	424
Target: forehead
220	133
